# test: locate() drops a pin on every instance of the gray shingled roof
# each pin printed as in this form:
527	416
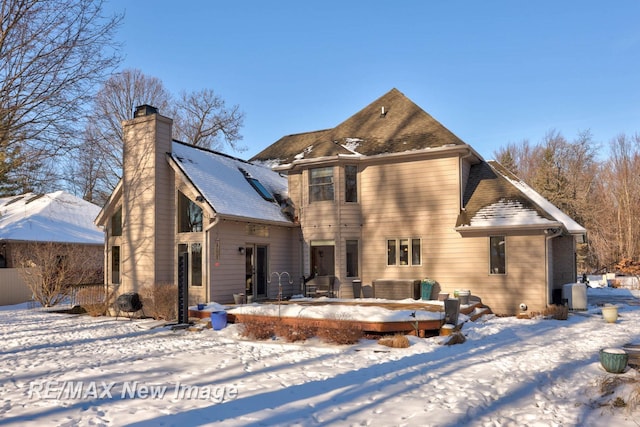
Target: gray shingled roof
403	127
495	197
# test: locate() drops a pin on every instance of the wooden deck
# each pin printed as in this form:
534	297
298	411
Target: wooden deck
424	327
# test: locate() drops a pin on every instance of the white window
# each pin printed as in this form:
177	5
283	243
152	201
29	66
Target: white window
497	255
351	183
352	258
404	251
193	252
189	215
321	184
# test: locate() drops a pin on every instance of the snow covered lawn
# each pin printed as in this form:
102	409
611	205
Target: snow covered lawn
76	370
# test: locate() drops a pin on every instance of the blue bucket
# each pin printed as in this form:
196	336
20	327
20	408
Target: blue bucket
218	320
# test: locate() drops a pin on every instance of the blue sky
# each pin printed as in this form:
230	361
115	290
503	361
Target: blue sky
493	72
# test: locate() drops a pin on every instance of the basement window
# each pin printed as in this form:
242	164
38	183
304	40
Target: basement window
257	185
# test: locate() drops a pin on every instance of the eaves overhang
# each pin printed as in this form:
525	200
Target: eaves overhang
465	150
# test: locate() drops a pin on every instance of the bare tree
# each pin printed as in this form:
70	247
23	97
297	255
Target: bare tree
202	118
51	54
621	195
51	269
100	155
564	172
86	171
520	158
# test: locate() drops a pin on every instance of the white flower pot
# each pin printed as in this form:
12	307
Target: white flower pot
610	313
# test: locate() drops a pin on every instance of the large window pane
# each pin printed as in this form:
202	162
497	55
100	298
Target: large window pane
350	183
116	223
415	252
323	259
497	254
352	258
115	265
321	184
391	252
196	264
189	215
404	251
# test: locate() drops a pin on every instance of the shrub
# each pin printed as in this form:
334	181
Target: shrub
610	384
456	338
160	301
349	334
258	330
396	341
293	333
558	312
95	300
633	402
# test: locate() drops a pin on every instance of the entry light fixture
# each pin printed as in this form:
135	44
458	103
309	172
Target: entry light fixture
241	250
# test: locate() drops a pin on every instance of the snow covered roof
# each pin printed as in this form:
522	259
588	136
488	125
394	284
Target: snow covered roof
224	182
54	217
569	224
496	198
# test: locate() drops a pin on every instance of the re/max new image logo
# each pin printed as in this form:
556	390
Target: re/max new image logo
97	390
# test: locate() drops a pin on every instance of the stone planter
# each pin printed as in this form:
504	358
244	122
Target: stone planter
610	313
614	360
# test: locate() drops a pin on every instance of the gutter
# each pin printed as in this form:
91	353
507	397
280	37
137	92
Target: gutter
382	156
480	228
207	241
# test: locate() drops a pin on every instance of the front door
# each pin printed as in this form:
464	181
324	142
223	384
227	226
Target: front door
256	270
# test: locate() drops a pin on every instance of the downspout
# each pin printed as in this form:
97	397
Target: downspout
551	233
207	241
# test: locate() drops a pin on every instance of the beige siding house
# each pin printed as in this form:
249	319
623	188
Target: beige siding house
389	193
224	217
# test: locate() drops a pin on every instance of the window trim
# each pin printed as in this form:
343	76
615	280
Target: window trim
357	257
186	205
355	183
397	248
504	255
116	223
323	185
190	269
114	264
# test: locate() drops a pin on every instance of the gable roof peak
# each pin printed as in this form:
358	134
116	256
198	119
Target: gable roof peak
390	124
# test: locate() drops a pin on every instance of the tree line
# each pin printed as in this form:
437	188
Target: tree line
602	193
62	100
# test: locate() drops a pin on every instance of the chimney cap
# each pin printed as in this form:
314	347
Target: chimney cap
144	110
